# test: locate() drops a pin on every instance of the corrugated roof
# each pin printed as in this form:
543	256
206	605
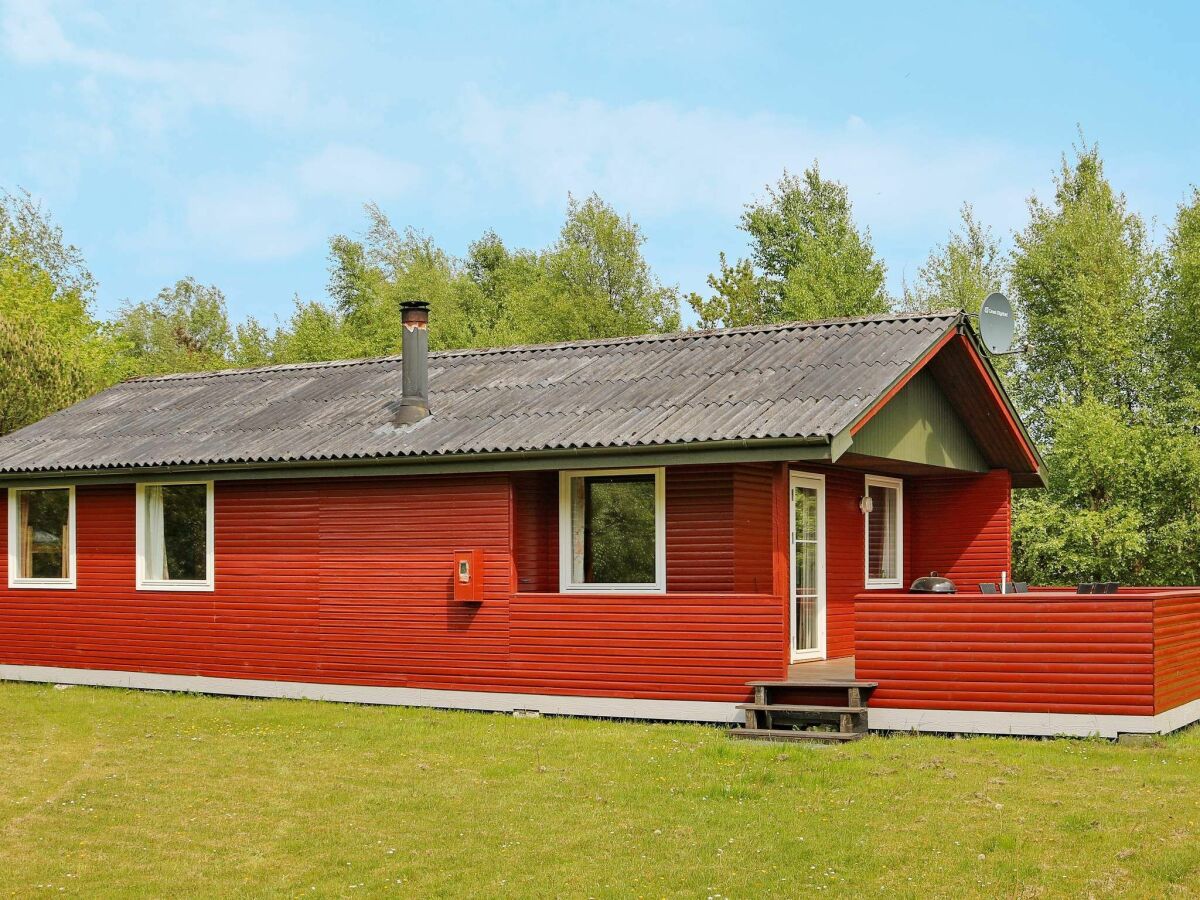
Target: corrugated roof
800	381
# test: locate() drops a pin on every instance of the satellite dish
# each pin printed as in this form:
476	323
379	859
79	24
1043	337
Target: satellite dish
996	323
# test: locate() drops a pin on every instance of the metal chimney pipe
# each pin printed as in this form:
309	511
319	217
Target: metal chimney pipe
414	402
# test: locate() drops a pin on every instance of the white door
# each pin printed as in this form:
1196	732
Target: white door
808	566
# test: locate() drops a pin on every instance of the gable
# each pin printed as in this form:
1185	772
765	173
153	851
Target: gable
919	425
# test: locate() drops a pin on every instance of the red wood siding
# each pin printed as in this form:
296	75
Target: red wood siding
959	526
535	530
700	528
754	523
1176	650
679	646
349	581
845	562
1025	653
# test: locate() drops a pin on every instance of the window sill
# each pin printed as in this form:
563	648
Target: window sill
884	586
612	589
176	586
42	584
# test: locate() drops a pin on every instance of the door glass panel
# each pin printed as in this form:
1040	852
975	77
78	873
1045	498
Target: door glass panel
806	584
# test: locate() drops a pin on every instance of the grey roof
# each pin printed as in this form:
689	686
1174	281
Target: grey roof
797	381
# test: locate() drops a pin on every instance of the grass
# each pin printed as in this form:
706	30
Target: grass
119	793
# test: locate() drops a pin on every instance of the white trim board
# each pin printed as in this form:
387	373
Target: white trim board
879	719
958	721
549	704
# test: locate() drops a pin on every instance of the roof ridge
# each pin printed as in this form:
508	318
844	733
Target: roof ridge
697	334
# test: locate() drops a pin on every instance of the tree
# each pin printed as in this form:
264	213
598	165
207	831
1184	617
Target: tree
1123	502
739	297
814	261
185	328
960	273
52	352
593	283
1124	470
1177	319
1083	273
315	332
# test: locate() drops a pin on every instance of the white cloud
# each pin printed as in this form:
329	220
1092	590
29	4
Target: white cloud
356	173
254	220
254	69
658	159
269	215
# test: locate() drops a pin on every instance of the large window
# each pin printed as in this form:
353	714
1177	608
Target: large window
175	536
885	532
41	537
612	530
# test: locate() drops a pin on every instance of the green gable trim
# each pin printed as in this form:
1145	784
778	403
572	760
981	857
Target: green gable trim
919	425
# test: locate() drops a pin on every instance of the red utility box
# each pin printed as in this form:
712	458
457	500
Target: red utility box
468	576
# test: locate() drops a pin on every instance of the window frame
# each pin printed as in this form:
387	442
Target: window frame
565	585
14	580
146	584
876	584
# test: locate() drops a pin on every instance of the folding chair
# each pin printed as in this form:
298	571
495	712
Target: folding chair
1085	587
987	587
1110	587
1018	587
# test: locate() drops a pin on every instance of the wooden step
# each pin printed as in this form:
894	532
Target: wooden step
771	734
816	683
793	708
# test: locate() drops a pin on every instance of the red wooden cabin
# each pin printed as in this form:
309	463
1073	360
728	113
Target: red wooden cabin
658	527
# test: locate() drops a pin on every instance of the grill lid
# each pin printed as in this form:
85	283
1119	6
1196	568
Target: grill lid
933	584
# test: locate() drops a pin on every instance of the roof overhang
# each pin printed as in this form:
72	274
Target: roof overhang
817	449
971	383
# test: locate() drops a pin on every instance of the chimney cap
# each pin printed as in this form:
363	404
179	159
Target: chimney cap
414	313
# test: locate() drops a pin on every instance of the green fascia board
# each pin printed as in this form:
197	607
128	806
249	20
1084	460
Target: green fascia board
713	452
919	425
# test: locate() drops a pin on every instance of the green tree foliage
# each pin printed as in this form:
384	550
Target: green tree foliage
960	273
1104	327
185	328
52	352
739	297
1123	502
1177	320
593	282
1083	272
808	260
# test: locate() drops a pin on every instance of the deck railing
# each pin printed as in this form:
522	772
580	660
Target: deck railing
1136	652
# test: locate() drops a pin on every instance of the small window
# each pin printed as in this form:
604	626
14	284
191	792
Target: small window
41	537
612	530
175	536
885	532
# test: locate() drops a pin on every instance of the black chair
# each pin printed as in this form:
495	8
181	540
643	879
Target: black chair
987	588
1085	587
1018	587
1110	587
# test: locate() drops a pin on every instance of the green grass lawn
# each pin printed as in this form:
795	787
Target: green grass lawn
120	793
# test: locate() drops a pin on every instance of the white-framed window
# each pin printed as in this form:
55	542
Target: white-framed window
884	527
41	537
612	530
175	536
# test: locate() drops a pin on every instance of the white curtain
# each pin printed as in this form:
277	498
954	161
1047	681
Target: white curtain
24	537
156	557
578	530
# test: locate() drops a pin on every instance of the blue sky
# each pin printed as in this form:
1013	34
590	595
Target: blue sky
228	142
